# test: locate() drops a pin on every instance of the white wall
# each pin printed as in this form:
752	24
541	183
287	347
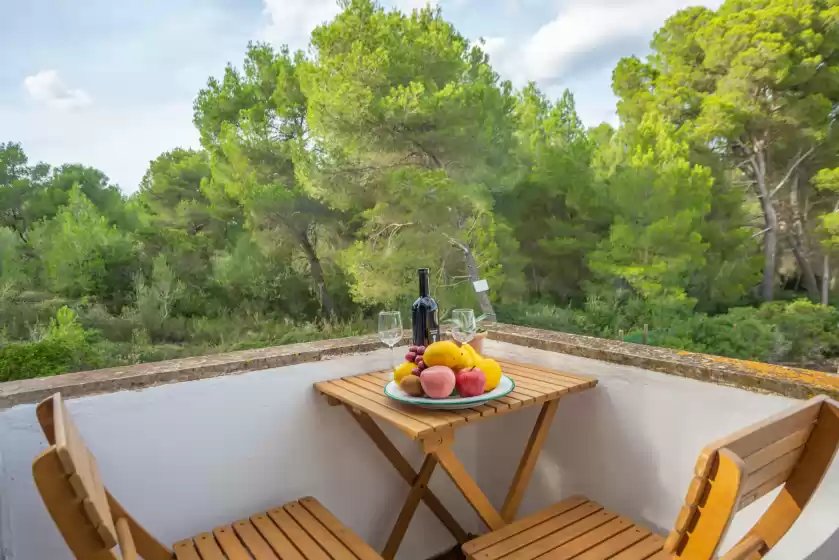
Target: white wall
631	444
186	457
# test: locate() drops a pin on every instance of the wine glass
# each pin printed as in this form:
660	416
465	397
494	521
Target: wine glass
465	326
390	330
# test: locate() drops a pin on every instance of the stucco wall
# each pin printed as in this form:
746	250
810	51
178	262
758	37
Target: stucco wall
631	444
188	456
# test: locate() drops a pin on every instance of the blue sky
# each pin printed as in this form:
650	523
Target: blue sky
111	83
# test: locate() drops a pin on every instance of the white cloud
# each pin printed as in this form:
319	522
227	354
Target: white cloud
495	47
46	86
580	47
291	22
119	140
579	30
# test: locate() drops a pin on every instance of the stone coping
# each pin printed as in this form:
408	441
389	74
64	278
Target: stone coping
788	381
183	369
791	382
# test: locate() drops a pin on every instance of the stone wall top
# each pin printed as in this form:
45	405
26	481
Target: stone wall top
788	381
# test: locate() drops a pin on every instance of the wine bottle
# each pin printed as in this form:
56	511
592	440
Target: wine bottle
424	314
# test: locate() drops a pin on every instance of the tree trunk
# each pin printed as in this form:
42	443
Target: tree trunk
825	279
770	218
474	276
807	274
483	297
317	273
799	249
770	251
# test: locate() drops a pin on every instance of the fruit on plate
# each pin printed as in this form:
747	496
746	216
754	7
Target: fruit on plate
402	370
472	353
491	370
445	353
412	385
437	381
415	355
470	382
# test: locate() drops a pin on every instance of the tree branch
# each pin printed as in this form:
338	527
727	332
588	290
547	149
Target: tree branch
761	232
791	170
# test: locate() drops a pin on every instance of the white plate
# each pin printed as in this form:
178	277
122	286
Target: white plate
393	391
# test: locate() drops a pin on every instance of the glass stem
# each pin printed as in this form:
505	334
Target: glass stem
392	359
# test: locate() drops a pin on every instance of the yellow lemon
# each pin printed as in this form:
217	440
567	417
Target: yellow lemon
492	371
402	371
443	353
472	352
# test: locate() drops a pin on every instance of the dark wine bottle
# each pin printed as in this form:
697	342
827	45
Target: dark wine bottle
424	318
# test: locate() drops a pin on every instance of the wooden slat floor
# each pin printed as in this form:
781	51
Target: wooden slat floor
576	528
301	530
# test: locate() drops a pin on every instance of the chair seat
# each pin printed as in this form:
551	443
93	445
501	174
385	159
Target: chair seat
301	530
574	528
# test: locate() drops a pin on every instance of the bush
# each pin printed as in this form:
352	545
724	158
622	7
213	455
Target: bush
24	360
811	331
542	316
96	319
780	331
740	333
62	346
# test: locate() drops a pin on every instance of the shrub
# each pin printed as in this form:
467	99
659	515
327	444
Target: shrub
542	316
740	333
811	331
24	360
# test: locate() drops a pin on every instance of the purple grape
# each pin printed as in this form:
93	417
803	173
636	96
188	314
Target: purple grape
417	359
420	350
416	371
413	348
410	356
421	364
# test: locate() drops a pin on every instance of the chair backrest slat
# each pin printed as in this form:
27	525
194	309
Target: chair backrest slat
793	448
83	472
68	479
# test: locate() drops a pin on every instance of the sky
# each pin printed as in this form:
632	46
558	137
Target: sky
110	84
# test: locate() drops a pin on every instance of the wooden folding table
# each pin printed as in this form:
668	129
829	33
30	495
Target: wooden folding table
364	398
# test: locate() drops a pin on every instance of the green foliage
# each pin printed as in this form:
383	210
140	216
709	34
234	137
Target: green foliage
740	333
82	255
155	299
658	201
327	177
414	129
810	331
63	347
21	360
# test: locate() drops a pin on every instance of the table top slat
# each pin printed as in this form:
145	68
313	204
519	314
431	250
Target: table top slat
570	376
528	381
408	425
544	377
439	419
527	386
534	385
432	420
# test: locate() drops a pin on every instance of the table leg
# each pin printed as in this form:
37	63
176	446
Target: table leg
411	502
467	485
403	467
528	461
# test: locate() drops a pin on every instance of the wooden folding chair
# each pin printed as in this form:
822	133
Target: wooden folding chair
793	449
93	523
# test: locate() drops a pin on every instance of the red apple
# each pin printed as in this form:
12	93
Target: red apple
470	382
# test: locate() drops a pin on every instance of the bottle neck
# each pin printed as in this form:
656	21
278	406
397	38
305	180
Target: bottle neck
423	283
